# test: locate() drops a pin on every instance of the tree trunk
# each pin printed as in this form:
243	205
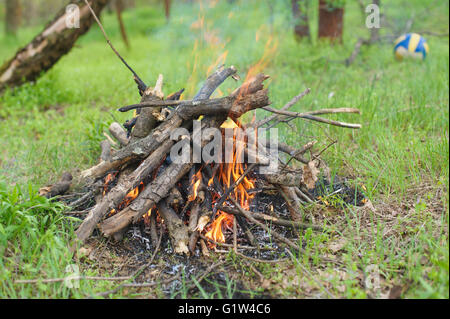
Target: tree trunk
299	11
56	40
331	21
123	31
167	6
13	16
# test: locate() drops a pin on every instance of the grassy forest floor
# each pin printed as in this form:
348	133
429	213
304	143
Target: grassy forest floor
400	156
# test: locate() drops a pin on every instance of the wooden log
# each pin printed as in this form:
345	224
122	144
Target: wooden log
56	40
119	133
292	201
285	178
153	230
178	231
148	118
106	150
117	194
60	188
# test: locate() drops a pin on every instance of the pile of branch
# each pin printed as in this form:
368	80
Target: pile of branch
142	152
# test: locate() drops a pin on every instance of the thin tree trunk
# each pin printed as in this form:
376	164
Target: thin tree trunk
123	31
13	16
56	40
331	21
167	5
299	8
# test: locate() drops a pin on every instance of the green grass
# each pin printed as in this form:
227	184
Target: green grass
400	156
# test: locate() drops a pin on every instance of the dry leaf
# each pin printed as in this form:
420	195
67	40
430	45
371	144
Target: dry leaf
310	173
335	246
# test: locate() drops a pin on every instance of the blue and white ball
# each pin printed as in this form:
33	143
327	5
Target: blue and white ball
411	45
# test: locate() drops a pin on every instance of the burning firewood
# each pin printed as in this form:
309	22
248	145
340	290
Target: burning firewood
199	198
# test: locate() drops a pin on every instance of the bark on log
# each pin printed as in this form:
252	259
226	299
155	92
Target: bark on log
178	231
293	202
119	133
147	118
60	188
56	40
117	194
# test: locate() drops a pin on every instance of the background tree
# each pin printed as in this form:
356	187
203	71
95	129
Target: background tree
331	19
119	8
13	16
167	5
299	11
56	40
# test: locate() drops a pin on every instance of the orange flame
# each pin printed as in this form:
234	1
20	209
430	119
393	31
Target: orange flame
228	174
216	231
196	183
108	180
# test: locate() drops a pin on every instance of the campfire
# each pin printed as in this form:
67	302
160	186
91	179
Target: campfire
192	168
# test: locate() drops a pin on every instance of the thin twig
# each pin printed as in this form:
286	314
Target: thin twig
286	107
141	85
308	116
55	280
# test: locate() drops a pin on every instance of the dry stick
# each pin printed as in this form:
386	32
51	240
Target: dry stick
54	280
327	147
153	230
141	85
308	116
123	31
235	234
284	108
261	260
231	246
303	195
106	150
138	285
292	202
236	105
273	220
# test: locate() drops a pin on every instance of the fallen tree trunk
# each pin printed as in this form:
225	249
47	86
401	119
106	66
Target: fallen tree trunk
56	40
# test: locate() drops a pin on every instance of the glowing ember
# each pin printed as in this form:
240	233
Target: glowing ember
108	180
